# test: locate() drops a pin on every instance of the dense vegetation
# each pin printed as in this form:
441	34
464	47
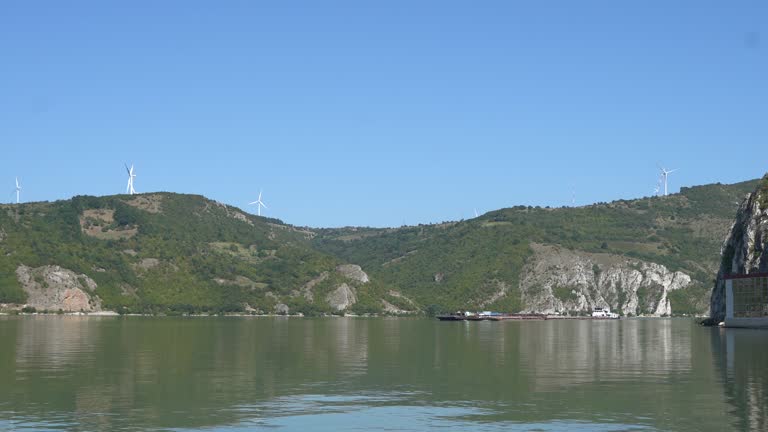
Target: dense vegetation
164	253
763	191
172	253
458	264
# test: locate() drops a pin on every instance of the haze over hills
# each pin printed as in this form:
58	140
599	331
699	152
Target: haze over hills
172	253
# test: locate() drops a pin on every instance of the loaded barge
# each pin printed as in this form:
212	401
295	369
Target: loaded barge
489	316
597	314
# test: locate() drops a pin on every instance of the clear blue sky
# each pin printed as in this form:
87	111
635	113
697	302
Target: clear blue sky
380	113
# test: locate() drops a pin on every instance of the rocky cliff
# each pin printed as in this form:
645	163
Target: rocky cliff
556	279
52	288
745	249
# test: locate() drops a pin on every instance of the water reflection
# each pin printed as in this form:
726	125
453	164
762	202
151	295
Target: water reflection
742	359
403	374
578	352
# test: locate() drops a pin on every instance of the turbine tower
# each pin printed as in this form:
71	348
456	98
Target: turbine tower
664	174
129	189
18	190
260	203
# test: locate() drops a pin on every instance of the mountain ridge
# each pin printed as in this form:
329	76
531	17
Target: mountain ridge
175	253
461	264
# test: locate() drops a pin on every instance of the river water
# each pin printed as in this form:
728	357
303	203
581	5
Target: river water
344	374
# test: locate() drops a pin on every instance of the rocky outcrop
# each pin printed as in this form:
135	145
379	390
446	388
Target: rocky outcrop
354	272
745	249
392	309
561	280
306	289
54	288
342	297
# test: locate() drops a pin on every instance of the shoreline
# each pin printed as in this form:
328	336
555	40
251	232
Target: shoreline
246	315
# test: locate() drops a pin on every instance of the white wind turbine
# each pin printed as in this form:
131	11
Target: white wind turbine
260	203
664	174
476	215
129	189
18	190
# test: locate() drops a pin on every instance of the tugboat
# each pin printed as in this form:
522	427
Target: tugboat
458	316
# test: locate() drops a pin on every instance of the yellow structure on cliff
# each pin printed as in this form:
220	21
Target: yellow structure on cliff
746	300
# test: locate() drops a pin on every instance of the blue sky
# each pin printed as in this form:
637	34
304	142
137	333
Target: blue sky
381	113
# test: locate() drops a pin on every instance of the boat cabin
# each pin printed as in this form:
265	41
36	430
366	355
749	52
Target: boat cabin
605	312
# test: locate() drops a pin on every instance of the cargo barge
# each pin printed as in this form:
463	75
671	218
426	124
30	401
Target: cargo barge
489	316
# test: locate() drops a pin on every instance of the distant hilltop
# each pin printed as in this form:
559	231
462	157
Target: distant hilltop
176	254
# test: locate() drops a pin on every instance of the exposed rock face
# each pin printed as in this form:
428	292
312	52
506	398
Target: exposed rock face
390	308
557	280
745	249
354	272
53	288
406	304
281	308
342	297
306	290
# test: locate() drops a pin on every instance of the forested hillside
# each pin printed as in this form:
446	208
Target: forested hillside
473	261
165	253
172	253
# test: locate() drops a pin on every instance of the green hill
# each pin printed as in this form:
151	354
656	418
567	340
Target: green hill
166	253
464	264
173	253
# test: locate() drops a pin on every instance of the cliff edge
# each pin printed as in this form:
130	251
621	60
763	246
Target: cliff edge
745	249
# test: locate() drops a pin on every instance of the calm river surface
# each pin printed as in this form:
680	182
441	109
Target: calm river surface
339	374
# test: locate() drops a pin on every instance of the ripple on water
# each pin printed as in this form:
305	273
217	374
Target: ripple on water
396	412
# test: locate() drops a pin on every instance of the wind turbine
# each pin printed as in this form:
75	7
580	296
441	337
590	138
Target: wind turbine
18	190
476	215
129	189
664	174
260	203
573	197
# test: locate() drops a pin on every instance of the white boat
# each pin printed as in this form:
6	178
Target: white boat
605	312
